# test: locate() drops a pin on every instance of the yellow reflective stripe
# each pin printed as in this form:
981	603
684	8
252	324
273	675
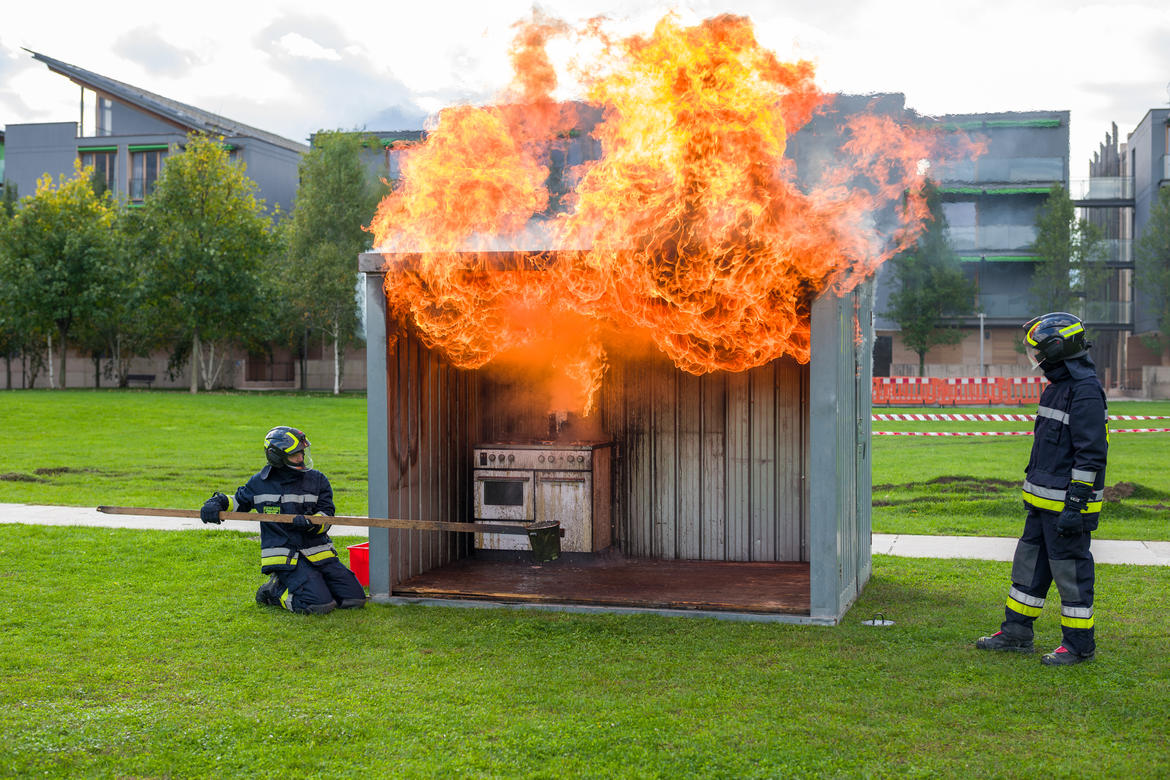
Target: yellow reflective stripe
1072	622
1032	330
294	445
284	600
1023	609
1068	330
274	560
322	555
1057	506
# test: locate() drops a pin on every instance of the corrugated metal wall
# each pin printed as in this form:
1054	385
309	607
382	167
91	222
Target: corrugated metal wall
709	467
839	455
431	412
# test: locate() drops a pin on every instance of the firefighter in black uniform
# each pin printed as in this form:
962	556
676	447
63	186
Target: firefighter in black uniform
1063	490
305	573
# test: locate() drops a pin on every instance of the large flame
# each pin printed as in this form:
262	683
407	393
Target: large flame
689	231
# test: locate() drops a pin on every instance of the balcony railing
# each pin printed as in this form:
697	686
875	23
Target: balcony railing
1102	188
993	238
999	170
1019	305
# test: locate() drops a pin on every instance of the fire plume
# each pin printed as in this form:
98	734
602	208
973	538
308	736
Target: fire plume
693	230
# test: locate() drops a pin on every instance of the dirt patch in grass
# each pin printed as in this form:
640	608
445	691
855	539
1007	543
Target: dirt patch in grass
13	476
1119	491
957	484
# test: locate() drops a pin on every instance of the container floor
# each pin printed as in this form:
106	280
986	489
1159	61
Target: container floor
622	582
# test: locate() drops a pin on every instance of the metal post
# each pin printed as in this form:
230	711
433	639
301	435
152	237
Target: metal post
982	368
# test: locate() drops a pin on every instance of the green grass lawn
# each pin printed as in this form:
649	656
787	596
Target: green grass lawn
141	654
168	449
172	449
971	486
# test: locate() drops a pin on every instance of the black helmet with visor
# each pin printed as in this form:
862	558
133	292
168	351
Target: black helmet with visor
1054	337
282	443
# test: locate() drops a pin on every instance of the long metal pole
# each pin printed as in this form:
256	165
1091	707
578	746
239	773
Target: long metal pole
982	369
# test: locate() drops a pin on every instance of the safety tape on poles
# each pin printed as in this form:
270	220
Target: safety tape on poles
1002	433
990	417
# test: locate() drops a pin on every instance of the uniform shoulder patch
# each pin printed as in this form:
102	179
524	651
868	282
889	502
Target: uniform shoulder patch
272	510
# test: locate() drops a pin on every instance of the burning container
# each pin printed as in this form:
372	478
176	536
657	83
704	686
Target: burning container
740	494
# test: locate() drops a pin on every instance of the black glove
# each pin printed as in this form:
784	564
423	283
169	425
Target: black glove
212	507
300	521
1076	500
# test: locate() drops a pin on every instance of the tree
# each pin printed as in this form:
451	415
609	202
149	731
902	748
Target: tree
1152	255
1070	264
930	287
204	236
335	199
60	252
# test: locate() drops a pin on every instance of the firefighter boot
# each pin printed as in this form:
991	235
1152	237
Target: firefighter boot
1001	641
268	594
1062	656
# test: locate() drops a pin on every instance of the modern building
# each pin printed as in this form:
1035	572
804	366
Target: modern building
126	132
991	204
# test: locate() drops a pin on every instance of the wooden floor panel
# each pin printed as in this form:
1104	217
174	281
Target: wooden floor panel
626	582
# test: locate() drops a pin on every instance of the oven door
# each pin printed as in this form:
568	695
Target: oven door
503	497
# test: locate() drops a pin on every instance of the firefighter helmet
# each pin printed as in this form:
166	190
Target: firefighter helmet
283	442
1055	337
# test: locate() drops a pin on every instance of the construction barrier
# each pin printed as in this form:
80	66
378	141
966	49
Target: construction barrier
1023	389
909	390
944	417
956	391
1003	433
972	390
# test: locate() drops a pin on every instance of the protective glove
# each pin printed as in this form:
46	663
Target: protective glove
300	521
1076	500
209	513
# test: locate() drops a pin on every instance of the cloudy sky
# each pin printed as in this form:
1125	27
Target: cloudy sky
296	67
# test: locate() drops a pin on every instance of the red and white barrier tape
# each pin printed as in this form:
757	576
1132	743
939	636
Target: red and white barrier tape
1002	433
991	417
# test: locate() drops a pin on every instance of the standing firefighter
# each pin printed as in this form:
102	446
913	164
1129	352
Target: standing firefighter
306	575
1063	490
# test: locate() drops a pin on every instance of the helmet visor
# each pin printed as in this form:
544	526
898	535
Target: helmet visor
1035	356
300	460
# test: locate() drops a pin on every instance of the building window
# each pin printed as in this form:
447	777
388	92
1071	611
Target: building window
144	168
105	167
104	124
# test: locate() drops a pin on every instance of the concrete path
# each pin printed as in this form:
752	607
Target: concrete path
906	545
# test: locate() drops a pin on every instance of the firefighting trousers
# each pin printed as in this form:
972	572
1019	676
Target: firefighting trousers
1043	557
313	588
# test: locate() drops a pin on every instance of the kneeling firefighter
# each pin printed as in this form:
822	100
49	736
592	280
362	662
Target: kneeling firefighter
1063	490
305	573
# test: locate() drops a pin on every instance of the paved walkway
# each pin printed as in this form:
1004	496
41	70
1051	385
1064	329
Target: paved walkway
906	545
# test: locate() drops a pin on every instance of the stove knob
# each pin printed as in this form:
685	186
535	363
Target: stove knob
541	459
580	458
511	458
492	457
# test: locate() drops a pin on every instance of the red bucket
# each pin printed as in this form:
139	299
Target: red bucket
359	562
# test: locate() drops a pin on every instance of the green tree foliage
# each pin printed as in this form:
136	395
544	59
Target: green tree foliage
1152	255
59	252
336	198
205	237
930	287
1070	267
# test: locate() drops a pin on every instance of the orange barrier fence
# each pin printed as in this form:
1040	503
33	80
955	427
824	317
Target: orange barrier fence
913	390
955	391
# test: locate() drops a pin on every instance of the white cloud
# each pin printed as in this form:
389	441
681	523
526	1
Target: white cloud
299	46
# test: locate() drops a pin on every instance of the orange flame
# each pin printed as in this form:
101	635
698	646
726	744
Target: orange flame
689	232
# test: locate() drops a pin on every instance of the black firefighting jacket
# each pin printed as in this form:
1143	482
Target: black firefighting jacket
287	491
1071	439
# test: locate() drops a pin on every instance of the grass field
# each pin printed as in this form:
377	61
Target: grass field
141	654
139	448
